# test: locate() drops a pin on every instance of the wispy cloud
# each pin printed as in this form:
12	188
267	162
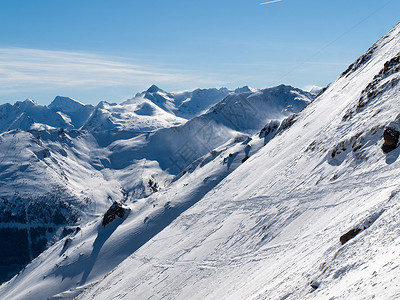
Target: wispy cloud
45	69
269	2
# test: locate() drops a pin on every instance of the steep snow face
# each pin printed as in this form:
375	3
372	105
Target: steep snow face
278	227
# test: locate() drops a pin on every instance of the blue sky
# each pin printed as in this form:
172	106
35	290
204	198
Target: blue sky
109	50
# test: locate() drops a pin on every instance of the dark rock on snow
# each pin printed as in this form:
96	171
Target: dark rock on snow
314	284
391	139
116	209
349	235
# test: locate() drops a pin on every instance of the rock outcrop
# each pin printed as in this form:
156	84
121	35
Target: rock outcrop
115	210
391	139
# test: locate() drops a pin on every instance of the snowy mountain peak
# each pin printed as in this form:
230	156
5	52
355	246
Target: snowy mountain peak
30	101
66	104
245	89
27	103
154	89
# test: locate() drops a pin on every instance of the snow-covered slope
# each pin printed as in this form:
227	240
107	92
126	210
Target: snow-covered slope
49	180
283	225
312	214
200	177
74	175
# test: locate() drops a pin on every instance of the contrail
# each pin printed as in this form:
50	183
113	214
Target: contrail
269	2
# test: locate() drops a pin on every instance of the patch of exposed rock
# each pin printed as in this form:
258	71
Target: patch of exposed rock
115	210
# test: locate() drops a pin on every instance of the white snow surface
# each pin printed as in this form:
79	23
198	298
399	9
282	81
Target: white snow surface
83	171
268	227
271	229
